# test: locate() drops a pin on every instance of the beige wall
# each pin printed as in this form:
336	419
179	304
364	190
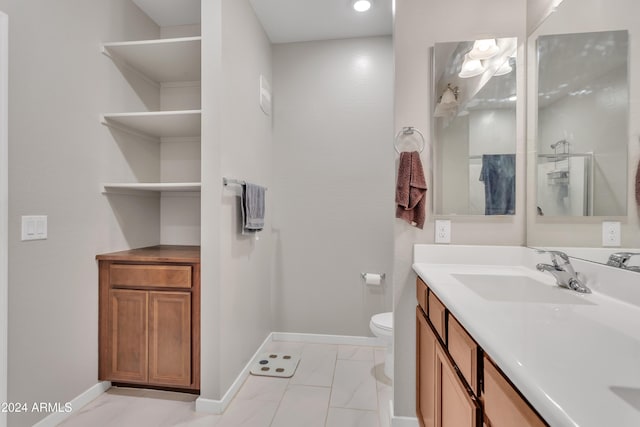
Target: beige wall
245	153
236	143
60	154
210	199
4	164
333	183
418	25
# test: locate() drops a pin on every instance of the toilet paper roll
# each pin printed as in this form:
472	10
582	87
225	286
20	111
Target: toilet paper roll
372	279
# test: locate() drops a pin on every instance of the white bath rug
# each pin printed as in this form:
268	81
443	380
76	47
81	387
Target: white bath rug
275	365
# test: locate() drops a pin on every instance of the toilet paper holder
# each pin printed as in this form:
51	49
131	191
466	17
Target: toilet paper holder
364	275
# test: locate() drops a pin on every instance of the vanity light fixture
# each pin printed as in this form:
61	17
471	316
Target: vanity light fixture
362	5
448	102
505	68
484	49
470	67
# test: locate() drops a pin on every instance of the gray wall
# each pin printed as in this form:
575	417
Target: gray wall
333	183
60	154
418	25
245	153
236	143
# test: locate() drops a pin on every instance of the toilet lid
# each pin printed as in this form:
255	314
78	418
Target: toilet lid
383	320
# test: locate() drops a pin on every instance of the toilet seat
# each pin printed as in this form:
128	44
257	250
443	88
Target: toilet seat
383	321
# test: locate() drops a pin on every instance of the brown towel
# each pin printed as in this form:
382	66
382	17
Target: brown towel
638	185
411	190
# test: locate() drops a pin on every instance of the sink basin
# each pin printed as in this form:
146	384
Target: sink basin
518	288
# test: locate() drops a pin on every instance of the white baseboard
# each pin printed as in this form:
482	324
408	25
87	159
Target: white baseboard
212	406
401	421
328	339
404	422
92	393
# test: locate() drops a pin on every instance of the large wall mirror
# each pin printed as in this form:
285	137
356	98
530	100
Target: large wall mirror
583	93
474	127
582	126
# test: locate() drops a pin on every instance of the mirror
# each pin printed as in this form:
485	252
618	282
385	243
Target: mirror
597	40
582	126
474	127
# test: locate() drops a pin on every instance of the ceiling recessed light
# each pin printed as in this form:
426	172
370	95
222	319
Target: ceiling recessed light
362	5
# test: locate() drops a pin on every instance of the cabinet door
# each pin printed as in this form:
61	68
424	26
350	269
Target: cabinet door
170	338
425	369
127	359
454	405
503	405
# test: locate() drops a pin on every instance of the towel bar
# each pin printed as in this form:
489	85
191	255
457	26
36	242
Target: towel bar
408	130
227	181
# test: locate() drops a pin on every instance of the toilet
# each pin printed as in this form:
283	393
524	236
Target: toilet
382	326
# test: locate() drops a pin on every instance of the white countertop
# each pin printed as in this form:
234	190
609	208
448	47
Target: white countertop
577	362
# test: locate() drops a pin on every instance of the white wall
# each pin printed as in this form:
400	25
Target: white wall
575	17
246	151
4	164
60	154
210	198
598	123
333	183
453	173
491	131
418	25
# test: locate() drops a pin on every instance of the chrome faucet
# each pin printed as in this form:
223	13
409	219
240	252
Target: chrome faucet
619	259
563	271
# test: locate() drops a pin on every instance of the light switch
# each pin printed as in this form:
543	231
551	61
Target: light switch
34	227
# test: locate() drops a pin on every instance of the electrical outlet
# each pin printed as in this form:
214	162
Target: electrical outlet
610	233
443	231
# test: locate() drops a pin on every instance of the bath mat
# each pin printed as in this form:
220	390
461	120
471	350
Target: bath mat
275	365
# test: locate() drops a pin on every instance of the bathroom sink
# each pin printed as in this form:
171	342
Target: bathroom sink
518	288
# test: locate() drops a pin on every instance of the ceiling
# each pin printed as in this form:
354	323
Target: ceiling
287	21
167	13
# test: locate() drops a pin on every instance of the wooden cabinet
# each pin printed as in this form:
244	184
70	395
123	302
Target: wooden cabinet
464	351
455	405
127	329
443	399
504	407
450	375
150	317
437	314
425	371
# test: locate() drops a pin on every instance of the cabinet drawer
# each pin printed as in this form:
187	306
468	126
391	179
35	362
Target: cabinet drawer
503	405
464	351
421	294
437	314
156	276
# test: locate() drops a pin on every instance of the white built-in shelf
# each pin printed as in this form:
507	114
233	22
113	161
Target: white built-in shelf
162	60
158	124
154	186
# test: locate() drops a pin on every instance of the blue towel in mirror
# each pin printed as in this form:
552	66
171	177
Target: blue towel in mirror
499	176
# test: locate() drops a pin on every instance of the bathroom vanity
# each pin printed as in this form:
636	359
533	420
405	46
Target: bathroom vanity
500	344
457	384
149	317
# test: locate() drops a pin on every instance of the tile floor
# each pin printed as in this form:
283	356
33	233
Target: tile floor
334	386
